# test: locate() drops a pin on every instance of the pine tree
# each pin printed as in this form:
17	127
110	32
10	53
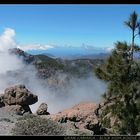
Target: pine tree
133	24
123	77
122	73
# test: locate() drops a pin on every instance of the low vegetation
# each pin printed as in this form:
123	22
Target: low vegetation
35	125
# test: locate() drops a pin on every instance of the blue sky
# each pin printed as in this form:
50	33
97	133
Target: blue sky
72	25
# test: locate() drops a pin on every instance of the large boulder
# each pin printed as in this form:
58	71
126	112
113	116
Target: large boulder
42	109
17	99
19	95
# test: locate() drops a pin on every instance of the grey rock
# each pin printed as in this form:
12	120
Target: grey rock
42	110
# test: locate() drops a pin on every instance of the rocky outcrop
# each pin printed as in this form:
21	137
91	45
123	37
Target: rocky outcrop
81	117
29	59
19	95
108	120
42	109
17	99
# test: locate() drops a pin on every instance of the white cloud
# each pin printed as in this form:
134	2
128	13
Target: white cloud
9	32
35	47
109	49
7	39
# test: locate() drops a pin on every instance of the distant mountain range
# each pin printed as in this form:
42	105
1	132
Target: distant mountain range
72	52
80	56
49	55
88	56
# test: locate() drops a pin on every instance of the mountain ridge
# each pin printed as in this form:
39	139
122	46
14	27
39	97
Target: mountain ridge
47	66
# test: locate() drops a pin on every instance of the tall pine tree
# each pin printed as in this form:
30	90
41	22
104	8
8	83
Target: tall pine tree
123	77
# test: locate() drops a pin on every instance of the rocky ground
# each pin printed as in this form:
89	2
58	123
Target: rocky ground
71	119
7	121
81	119
13	104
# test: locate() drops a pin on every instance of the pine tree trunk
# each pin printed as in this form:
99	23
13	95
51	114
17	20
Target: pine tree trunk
132	47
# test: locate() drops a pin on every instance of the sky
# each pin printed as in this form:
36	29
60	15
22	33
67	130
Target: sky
67	25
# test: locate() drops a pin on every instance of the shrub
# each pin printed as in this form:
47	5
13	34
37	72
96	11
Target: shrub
35	125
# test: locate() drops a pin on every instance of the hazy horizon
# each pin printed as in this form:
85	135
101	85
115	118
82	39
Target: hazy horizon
69	51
